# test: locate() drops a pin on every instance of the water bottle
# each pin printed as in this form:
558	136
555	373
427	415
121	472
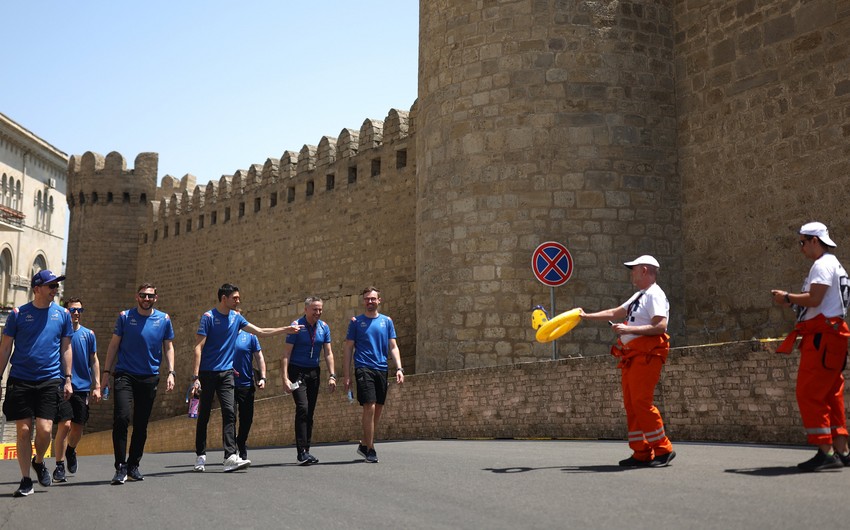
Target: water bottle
350	397
105	394
193	399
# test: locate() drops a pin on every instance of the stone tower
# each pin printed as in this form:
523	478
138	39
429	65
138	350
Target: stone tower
109	204
539	120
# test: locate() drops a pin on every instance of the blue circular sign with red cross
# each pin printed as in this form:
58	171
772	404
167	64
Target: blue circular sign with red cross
552	263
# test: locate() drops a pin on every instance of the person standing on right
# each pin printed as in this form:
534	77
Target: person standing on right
642	348
140	336
300	363
371	336
821	308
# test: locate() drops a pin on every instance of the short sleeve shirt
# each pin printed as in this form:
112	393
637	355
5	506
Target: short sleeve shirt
371	338
38	335
826	270
643	306
220	331
140	352
308	343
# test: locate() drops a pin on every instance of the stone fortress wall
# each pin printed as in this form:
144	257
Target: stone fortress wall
701	132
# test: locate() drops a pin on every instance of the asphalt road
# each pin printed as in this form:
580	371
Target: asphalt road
446	484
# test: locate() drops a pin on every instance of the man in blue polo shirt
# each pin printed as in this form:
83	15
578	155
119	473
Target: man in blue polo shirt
300	364
371	337
41	332
213	372
140	337
247	350
74	413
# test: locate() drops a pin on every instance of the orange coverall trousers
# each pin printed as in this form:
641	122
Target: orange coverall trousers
820	381
641	361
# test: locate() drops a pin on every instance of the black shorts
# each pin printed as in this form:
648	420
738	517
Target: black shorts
27	399
371	385
75	409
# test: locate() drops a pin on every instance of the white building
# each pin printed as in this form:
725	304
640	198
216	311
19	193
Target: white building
33	211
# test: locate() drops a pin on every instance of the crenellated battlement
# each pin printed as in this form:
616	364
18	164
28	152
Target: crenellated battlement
94	179
295	176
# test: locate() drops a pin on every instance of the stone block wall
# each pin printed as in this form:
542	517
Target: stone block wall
326	221
735	392
763	105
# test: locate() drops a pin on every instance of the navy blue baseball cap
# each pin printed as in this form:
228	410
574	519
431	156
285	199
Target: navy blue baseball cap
45	277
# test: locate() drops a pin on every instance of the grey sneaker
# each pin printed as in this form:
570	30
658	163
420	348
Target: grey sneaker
372	456
820	462
312	459
663	460
234	463
134	474
201	463
303	459
120	475
59	472
42	473
24	489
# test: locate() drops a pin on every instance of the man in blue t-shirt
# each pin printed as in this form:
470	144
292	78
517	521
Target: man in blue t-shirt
74	413
41	333
140	337
215	346
371	336
247	349
300	364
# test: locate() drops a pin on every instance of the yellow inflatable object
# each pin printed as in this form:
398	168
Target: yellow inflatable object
549	330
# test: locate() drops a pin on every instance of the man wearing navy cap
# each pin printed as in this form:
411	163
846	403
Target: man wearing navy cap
41	333
642	348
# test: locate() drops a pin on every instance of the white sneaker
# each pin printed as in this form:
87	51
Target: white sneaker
200	465
234	463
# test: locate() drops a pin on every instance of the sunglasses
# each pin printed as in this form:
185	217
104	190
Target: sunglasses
52	286
148	296
75	309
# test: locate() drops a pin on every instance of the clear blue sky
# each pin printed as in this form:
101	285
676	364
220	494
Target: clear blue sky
212	86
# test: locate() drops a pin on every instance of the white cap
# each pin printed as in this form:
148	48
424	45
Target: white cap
646	259
818	230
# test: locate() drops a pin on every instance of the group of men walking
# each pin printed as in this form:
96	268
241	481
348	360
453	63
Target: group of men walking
55	368
55	373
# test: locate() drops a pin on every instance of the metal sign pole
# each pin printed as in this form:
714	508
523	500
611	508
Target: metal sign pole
553	313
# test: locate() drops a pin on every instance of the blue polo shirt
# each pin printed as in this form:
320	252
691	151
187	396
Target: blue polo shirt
371	338
140	352
83	349
247	344
221	332
38	337
308	343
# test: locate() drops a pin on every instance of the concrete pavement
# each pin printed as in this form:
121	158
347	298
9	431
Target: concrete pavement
489	484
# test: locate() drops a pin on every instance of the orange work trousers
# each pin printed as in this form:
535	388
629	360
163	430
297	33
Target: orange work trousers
646	429
820	386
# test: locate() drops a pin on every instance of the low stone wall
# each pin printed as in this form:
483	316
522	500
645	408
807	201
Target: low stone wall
732	392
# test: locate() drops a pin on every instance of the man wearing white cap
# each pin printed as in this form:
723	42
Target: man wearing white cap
820	307
642	348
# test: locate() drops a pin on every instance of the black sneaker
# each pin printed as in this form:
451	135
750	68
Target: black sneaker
120	475
845	459
372	456
302	459
820	462
42	473
134	474
310	458
362	450
24	489
663	460
59	472
634	462
71	459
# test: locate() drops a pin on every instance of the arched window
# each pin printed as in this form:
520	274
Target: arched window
49	214
39	211
38	264
16	196
4	193
5	278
